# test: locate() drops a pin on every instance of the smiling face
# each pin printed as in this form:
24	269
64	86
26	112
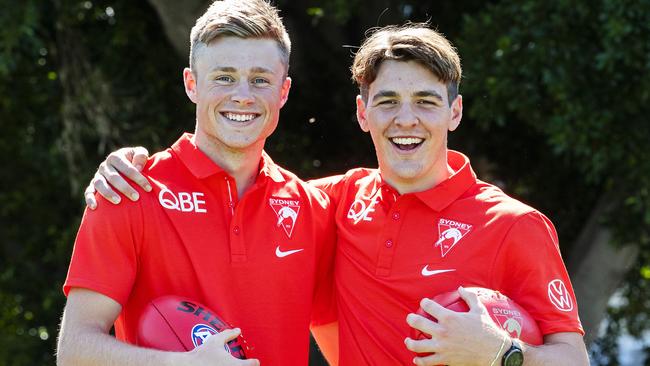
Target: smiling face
408	115
238	86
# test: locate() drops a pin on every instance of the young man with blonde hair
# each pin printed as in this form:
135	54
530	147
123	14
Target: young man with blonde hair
423	224
224	225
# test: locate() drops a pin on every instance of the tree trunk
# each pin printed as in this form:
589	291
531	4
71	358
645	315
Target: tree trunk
178	18
597	267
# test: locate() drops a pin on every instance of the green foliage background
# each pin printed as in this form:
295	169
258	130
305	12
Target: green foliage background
556	100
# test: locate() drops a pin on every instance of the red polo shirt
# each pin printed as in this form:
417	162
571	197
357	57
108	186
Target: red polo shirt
263	262
393	250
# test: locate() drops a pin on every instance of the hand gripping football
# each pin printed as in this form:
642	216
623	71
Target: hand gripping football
173	323
504	312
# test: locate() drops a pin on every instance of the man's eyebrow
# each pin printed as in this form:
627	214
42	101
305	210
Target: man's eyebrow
428	93
230	69
384	94
223	69
261	70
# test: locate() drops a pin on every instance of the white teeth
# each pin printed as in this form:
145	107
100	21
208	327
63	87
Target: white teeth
406	140
239	117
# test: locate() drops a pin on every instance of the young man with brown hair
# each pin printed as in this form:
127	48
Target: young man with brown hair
423	224
224	226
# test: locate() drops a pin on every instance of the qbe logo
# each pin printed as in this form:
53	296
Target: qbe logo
183	201
361	209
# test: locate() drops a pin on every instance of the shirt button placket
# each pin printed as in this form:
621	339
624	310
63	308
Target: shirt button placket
391	230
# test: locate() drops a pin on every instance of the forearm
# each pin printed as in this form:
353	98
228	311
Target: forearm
569	352
555	354
93	347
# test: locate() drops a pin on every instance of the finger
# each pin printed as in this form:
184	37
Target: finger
472	299
230	334
140	156
217	340
101	185
250	362
118	162
422	324
421	345
223	337
89	197
117	181
430	360
434	309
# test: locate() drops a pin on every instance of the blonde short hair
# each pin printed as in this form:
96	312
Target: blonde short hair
410	42
239	18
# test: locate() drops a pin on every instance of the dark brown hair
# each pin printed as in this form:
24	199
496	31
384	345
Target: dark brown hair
410	42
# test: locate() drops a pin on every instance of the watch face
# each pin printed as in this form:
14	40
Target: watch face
514	358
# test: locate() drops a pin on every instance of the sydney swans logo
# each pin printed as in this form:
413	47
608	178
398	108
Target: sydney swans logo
287	211
450	232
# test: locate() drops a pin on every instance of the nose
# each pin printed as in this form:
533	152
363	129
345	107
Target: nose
243	94
406	116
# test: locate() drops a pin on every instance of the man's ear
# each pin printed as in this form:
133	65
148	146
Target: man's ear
361	114
456	112
189	80
286	85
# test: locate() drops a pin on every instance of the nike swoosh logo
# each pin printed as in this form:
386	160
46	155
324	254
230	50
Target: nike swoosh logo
281	254
426	272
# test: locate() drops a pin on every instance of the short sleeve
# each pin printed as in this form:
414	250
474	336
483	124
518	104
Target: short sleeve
104	258
332	186
529	269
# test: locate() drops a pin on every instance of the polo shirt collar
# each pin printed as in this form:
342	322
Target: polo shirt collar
201	166
270	169
448	191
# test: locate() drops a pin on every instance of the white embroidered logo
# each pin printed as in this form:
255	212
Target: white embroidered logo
426	272
281	254
559	295
450	232
287	212
183	201
359	211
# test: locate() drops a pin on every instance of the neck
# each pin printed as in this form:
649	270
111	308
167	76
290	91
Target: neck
241	164
440	172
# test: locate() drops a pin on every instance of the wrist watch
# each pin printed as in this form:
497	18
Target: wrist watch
514	356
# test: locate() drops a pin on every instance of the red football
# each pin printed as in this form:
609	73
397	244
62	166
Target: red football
504	312
173	323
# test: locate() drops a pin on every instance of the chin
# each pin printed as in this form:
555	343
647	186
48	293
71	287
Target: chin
239	145
406	172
